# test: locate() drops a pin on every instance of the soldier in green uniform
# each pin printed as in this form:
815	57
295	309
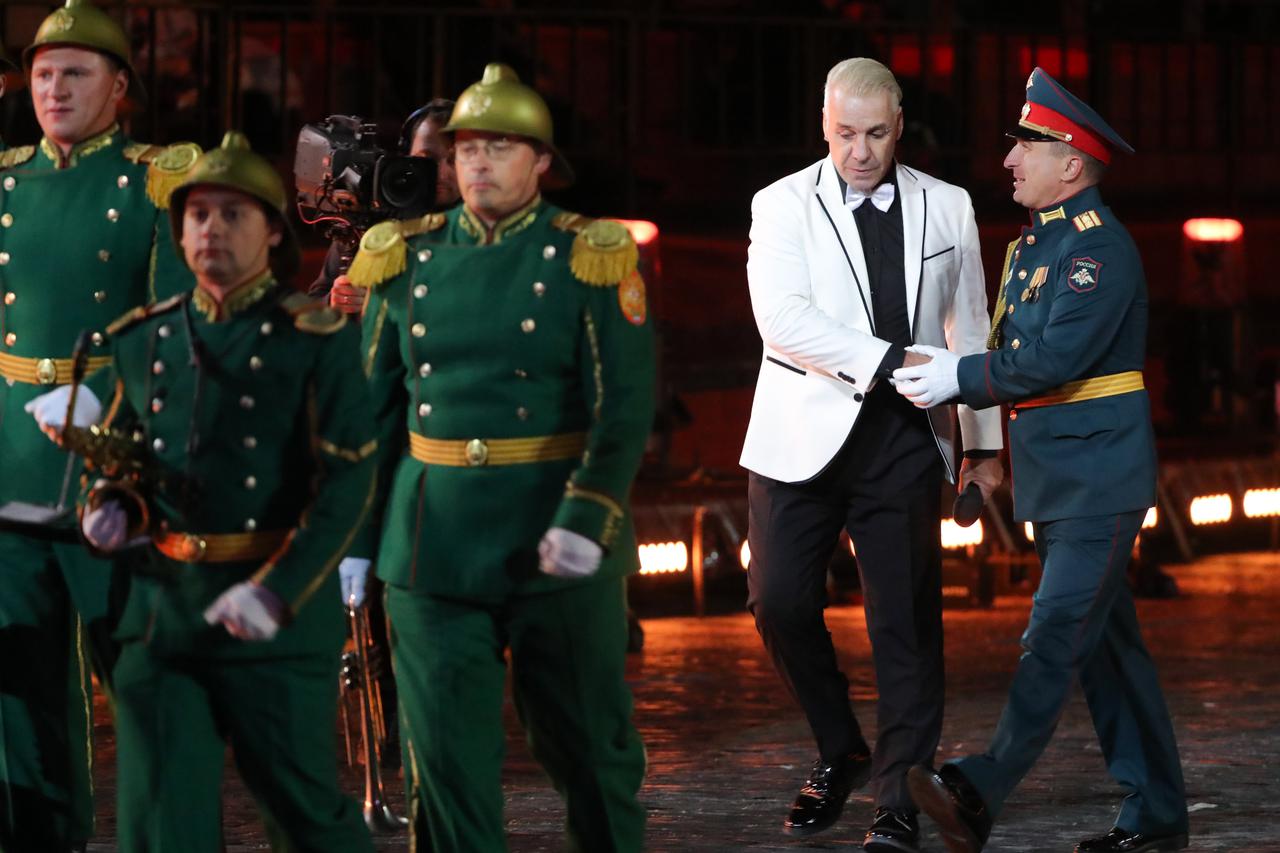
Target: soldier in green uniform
82	239
508	344
1065	353
249	400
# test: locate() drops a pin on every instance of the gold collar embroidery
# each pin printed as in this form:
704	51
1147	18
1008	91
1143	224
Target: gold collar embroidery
238	300
508	226
80	150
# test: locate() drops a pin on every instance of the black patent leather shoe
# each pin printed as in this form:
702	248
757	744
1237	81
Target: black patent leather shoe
892	831
822	798
947	797
1122	841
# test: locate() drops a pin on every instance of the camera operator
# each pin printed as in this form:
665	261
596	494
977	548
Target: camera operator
419	137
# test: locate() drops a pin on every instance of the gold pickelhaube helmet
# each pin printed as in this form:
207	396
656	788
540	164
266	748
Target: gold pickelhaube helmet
233	165
81	24
500	103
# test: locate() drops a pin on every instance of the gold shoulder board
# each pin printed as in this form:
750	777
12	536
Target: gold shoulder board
381	256
603	253
11	157
571	222
312	317
423	225
138	313
167	168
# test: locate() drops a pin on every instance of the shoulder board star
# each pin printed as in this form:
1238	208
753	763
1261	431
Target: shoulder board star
423	224
312	317
139	313
603	252
11	157
382	255
167	167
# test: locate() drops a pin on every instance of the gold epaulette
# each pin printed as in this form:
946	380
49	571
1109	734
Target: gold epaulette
382	255
312	317
167	167
11	157
139	313
603	252
423	224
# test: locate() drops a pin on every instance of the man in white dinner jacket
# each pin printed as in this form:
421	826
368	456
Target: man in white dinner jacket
852	261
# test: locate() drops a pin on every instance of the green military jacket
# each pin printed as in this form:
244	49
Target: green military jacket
257	412
532	334
82	239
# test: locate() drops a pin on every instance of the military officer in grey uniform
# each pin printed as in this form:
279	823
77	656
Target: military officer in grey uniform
1065	355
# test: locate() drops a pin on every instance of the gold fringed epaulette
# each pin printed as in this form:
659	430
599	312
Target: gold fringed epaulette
423	224
11	157
603	253
382	255
312	317
138	313
167	168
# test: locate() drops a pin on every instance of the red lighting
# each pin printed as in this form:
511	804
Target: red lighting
1213	230
642	230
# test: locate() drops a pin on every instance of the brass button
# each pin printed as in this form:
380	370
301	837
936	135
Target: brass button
104	255
113	215
97	339
158	445
250	524
1011	310
266	327
122	181
4	258
1013	415
477	452
548	252
157	405
251	482
522	413
165	330
6	220
521	373
99	296
10	298
1022	274
424	370
255	363
424	255
250	442
424	410
1015	343
10	183
418	330
157	367
527	325
246	402
419	291
46	371
10	339
539	288
1031	239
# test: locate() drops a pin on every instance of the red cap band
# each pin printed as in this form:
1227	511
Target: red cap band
1039	117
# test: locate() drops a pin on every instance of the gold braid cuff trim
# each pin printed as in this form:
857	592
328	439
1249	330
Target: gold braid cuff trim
45	371
219	547
1110	385
475	452
572	490
362	452
382	256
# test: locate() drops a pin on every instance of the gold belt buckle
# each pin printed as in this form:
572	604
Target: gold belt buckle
191	549
477	452
46	371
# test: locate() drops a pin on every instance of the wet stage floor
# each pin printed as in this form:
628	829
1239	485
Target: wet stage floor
728	749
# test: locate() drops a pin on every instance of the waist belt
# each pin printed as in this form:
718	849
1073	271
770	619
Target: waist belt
219	547
1087	389
496	451
45	371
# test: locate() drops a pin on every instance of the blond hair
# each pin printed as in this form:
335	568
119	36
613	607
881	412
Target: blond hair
860	77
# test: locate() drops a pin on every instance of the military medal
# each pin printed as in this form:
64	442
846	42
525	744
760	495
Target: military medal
1038	278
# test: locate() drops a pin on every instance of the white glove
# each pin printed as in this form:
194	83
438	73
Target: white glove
932	383
105	527
352	571
248	611
50	408
566	554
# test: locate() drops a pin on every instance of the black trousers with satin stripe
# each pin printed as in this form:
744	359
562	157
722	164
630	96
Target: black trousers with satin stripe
884	487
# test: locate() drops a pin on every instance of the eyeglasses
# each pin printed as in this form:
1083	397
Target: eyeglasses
496	150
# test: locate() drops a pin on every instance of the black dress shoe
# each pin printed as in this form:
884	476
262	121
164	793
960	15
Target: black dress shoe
822	798
947	797
892	831
1123	841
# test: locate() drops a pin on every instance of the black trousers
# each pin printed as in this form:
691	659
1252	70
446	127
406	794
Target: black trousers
884	487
